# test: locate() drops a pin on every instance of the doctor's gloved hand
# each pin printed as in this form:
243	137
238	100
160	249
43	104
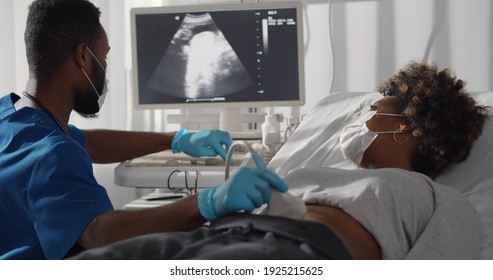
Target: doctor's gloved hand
247	189
202	143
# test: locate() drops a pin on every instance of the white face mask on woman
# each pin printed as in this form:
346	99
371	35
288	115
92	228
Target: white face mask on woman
356	137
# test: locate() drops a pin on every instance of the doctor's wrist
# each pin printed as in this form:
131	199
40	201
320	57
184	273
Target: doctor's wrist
205	201
176	145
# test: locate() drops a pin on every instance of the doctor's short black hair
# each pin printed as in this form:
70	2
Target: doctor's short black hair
439	110
54	29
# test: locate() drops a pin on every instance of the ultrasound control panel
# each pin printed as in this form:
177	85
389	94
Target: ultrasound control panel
182	160
175	171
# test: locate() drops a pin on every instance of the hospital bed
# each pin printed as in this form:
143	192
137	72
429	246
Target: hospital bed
315	143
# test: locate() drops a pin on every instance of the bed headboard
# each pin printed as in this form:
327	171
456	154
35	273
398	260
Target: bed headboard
316	143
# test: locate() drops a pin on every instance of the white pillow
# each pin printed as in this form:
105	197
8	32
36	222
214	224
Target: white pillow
316	143
474	177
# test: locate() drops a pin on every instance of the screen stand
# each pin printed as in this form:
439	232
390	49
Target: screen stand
230	120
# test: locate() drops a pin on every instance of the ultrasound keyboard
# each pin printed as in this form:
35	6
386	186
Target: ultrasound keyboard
168	159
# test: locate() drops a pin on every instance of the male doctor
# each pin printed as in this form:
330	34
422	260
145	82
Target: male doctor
51	206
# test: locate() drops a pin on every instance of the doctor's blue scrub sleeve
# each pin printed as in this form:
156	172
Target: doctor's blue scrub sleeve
202	143
64	197
77	135
247	189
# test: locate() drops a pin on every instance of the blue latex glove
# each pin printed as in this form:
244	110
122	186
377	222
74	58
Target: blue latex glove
209	143
247	189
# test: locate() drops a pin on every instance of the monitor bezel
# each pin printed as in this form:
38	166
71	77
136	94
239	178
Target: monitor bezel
219	7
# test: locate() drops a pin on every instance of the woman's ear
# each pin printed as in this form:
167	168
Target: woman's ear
405	127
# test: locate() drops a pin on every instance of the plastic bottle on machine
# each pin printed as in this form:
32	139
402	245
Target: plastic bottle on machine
271	131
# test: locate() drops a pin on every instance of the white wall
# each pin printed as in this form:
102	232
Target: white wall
7	54
371	40
374	38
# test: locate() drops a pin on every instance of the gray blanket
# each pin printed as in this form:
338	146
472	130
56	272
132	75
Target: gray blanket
410	216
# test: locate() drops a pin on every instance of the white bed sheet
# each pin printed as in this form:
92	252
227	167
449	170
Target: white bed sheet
316	143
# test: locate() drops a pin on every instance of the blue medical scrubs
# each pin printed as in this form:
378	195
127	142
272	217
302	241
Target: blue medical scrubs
48	193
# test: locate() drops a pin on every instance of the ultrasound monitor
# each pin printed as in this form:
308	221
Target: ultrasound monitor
225	56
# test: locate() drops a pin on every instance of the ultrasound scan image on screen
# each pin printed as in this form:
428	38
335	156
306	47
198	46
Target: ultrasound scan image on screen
216	56
200	63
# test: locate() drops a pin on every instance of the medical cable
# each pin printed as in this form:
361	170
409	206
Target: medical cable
331	48
257	159
229	156
45	109
169	178
306	45
190	190
440	7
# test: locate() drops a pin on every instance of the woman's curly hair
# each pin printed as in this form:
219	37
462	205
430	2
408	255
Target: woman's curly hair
438	109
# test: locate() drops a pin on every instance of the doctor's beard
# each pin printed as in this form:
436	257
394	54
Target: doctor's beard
86	103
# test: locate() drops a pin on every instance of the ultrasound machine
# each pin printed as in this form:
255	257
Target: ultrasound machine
229	57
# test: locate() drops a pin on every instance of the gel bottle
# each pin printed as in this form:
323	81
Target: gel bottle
271	132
